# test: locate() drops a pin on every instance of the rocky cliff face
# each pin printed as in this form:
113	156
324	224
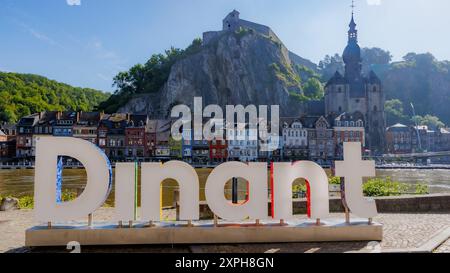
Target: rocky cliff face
236	68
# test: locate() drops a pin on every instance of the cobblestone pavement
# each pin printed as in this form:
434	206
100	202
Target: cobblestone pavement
401	231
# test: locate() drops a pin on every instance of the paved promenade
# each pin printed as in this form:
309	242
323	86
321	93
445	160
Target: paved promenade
402	233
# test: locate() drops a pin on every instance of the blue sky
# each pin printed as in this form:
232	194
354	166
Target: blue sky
86	42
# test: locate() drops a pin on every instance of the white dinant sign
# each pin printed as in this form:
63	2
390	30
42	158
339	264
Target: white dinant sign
98	186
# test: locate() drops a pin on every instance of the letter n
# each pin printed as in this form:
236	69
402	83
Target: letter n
153	174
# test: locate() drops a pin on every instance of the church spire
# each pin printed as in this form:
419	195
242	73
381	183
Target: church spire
352	53
352	32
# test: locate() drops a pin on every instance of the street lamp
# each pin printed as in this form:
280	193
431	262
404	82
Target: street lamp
417	126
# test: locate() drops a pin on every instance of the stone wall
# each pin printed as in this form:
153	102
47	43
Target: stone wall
433	203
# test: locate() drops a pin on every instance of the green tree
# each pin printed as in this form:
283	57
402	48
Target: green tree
23	94
394	112
329	65
431	121
313	89
146	78
375	59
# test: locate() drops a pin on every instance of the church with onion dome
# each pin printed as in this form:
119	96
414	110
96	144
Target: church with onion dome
357	94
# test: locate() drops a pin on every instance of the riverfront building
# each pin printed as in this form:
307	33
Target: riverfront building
135	137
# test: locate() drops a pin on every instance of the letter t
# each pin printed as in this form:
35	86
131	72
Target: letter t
353	169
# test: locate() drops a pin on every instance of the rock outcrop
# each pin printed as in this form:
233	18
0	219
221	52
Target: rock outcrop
8	204
236	67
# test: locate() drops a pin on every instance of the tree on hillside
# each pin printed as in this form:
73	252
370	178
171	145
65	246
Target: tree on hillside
24	94
374	58
313	89
146	78
432	122
395	113
329	65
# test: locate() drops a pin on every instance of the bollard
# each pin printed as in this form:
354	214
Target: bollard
176	199
90	220
234	190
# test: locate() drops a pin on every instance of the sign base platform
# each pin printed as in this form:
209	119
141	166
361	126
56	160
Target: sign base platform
204	232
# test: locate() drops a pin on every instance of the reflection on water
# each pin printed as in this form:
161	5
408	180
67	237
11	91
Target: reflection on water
20	182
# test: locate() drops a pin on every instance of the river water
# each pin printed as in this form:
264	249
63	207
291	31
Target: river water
20	182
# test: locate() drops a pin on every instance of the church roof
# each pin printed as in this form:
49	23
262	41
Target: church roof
397	127
337	79
347	117
373	78
352	52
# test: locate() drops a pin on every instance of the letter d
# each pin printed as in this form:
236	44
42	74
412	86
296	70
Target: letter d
98	170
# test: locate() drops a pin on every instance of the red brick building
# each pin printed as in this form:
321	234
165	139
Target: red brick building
218	151
136	137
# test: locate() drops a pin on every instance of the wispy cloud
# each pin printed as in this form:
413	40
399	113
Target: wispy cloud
111	62
104	77
103	53
373	2
38	35
73	2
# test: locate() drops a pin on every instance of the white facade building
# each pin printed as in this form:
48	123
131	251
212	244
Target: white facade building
294	139
242	143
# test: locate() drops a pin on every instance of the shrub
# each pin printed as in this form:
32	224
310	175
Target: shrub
26	202
67	195
422	189
386	187
334	180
